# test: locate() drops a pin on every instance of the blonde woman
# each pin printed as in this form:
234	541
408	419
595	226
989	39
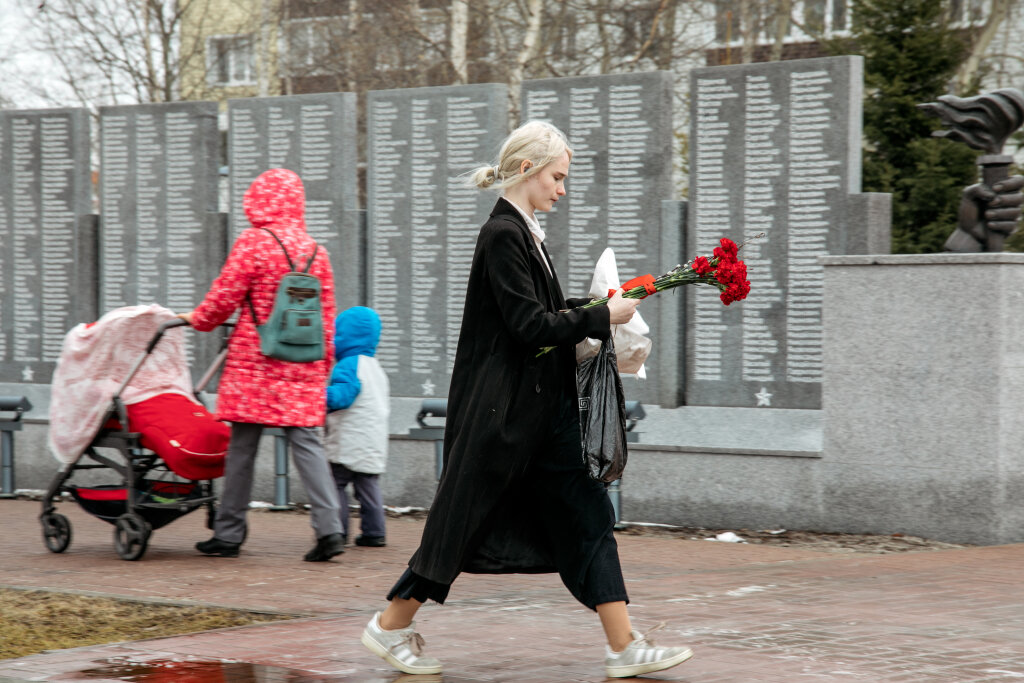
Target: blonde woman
515	496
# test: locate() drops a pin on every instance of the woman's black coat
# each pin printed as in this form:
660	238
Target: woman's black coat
500	405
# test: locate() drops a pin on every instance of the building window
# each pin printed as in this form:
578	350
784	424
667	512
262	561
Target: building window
839	14
309	43
230	60
565	39
967	12
814	17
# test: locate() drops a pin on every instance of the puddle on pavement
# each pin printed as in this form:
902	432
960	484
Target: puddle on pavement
189	671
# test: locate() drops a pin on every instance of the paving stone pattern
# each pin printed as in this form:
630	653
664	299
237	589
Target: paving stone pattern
751	613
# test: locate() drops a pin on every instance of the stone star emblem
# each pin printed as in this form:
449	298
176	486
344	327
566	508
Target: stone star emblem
428	388
27	374
764	397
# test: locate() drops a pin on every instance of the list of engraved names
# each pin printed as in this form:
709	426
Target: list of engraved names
424	219
41	190
770	157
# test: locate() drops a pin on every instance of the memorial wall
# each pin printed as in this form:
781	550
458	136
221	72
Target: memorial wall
162	239
423	219
775	148
620	130
314	136
47	240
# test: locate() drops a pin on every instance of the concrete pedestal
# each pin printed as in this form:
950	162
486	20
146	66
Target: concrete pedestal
923	386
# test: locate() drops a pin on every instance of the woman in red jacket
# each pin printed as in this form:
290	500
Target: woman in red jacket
257	391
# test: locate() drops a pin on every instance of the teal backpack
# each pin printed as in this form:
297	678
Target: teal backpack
295	329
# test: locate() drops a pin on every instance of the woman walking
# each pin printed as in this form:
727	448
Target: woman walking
515	495
257	391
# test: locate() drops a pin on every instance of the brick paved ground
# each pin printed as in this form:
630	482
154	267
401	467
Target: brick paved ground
751	613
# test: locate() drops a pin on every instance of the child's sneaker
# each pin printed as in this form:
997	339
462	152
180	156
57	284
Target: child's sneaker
401	648
642	657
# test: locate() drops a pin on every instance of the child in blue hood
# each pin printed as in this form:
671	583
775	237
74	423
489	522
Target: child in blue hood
356	432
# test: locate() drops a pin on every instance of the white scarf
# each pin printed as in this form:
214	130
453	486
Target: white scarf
536	231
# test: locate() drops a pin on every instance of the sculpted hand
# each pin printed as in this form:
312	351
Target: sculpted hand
1003	208
987	215
621	310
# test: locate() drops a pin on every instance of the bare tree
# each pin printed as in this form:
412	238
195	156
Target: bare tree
360	45
981	42
112	51
749	29
459	35
531	48
783	18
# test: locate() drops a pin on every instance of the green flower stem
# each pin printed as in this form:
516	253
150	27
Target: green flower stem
678	276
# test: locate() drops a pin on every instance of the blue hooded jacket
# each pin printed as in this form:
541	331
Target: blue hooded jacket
356	333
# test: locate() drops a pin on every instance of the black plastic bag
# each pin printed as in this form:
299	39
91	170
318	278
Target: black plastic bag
602	414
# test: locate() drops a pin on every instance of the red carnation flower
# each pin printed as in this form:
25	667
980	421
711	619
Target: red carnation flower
726	253
729	247
725	272
701	265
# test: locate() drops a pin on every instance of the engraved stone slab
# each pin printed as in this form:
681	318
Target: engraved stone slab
774	148
620	130
45	196
162	239
423	220
314	136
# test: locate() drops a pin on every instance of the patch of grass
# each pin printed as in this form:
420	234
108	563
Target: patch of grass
34	621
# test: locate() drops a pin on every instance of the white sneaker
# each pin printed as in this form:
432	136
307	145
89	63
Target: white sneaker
401	648
642	657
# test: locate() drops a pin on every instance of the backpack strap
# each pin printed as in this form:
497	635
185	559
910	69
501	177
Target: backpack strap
277	239
309	263
291	267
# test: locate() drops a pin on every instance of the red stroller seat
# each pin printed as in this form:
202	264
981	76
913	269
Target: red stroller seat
184	434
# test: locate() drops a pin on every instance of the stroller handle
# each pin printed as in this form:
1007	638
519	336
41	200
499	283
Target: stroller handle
177	322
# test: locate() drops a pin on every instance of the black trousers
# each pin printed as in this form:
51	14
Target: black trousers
566	504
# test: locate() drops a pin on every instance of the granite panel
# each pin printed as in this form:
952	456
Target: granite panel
45	198
923	374
162	240
314	136
775	149
619	127
422	221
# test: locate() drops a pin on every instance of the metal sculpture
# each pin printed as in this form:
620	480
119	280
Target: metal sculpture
990	209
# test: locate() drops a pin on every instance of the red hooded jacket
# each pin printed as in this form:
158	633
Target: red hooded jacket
255	388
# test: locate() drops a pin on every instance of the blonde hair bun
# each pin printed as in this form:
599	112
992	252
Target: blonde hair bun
538	142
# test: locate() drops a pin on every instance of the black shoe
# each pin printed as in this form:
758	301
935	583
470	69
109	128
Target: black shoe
370	541
326	547
219	548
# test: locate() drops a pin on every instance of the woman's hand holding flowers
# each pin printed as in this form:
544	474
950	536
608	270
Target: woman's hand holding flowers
620	309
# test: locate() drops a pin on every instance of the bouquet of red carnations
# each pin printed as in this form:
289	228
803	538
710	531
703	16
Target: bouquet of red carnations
722	269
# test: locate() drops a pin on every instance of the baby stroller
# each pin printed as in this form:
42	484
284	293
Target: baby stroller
169	446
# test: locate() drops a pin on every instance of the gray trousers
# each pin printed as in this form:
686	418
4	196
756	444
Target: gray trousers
371	504
310	461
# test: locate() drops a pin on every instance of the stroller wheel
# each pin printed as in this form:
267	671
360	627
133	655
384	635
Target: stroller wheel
56	532
131	536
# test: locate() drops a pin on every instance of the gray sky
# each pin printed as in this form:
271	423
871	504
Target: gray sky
22	70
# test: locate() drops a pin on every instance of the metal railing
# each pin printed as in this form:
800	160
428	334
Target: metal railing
17	405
